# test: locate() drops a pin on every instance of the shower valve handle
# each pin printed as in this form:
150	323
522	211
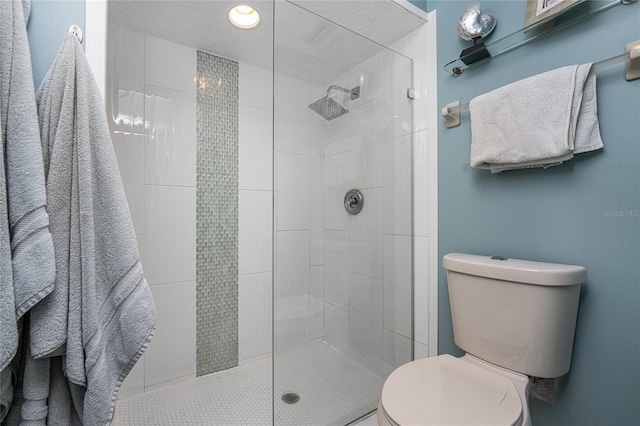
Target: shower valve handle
353	201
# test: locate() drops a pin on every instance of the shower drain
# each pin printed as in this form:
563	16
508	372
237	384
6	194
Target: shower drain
290	397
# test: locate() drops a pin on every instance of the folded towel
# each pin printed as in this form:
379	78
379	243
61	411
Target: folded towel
540	121
26	240
110	312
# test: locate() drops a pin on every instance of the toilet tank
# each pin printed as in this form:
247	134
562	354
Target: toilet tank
517	314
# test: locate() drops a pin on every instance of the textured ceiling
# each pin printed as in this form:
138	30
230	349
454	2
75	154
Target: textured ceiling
306	45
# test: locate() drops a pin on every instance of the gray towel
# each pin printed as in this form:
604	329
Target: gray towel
29	407
23	196
111	316
8	326
540	121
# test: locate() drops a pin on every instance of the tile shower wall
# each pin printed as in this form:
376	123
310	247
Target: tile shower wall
152	106
152	103
420	46
256	213
293	277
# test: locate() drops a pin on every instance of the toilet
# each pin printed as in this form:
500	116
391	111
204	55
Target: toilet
514	319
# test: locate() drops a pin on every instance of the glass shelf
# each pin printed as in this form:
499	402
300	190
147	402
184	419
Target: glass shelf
569	16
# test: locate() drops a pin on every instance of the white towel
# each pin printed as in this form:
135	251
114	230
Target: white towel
110	316
540	121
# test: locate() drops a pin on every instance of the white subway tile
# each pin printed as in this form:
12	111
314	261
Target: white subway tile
292	191
256	86
397	351
397	186
316	172
172	352
255	150
421	290
316	219
337	268
367	242
419	48
316	302
370	77
255	237
398	107
292	270
125	74
337	184
170	65
367	146
291	115
170	137
365	320
336	326
397	284
421	195
254	315
292	328
170	234
129	149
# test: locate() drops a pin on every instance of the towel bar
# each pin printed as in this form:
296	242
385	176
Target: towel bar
451	112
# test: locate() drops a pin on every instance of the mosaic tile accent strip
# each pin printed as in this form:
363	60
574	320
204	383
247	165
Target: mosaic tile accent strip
216	214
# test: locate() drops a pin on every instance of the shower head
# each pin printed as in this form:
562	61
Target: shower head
328	108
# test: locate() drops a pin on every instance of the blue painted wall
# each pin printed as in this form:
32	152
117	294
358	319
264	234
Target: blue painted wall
49	22
422	4
566	214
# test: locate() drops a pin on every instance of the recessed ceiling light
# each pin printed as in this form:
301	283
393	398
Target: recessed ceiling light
244	16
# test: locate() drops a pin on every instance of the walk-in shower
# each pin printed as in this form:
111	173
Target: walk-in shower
275	305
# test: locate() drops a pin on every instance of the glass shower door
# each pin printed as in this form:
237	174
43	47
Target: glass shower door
342	281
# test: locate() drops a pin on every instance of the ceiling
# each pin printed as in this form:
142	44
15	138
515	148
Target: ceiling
306	45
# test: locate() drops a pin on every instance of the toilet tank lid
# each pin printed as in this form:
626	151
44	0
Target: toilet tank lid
523	271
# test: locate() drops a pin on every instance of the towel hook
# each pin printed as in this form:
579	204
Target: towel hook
76	31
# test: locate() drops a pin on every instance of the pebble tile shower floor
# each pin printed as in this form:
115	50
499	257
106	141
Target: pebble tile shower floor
333	389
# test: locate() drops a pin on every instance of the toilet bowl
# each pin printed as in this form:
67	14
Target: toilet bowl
514	319
446	390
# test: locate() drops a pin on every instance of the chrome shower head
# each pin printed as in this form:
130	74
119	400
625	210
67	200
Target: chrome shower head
328	108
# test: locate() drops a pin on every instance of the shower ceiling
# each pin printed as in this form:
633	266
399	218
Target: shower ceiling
302	37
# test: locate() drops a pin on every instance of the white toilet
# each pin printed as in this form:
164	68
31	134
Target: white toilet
514	319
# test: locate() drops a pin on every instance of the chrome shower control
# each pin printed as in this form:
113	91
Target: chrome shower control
353	201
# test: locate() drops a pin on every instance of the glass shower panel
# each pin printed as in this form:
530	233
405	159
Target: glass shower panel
342	282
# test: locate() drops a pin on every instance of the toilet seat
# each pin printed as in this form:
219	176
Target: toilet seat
446	390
